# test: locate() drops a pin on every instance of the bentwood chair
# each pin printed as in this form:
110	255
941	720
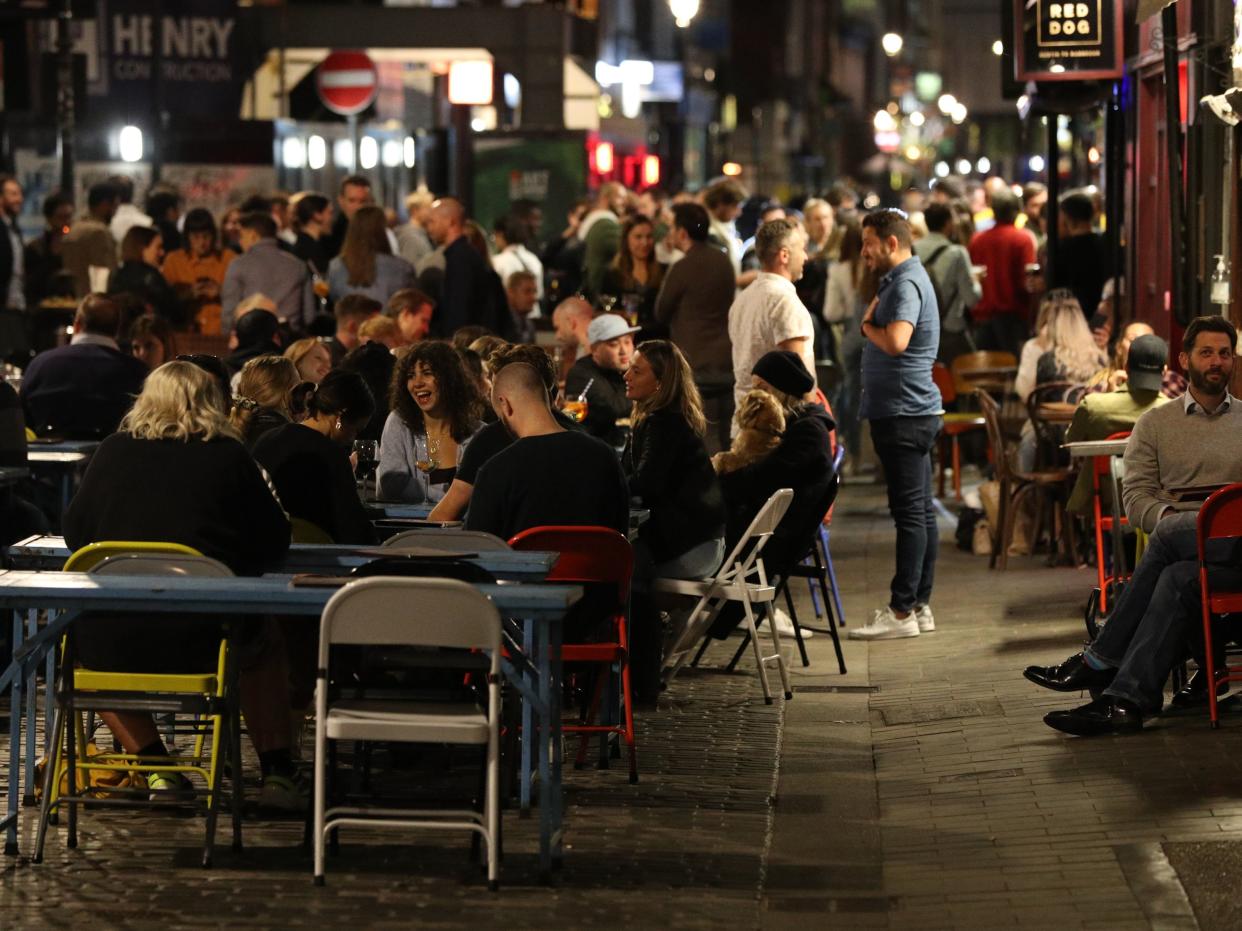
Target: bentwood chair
210	696
411	612
956	425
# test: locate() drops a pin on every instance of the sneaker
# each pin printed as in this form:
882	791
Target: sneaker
927	623
281	793
784	625
168	786
885	625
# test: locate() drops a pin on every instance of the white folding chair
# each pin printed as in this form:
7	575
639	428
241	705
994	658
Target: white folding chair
743	578
388	611
448	540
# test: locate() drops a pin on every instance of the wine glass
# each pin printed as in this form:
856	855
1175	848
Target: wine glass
367	452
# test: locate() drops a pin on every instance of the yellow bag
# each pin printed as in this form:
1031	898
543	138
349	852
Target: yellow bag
100	780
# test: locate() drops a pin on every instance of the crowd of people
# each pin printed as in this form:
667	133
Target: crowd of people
513	380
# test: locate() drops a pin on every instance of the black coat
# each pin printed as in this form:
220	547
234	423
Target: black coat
802	462
606	400
147	284
80	391
471	294
667	467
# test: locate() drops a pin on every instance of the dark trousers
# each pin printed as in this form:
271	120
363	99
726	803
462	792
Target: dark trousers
904	446
717	394
1155	620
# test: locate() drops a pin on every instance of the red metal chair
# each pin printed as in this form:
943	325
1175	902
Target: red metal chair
956	425
594	555
1104	523
1220	518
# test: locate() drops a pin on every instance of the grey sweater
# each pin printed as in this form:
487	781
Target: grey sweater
397	478
1177	444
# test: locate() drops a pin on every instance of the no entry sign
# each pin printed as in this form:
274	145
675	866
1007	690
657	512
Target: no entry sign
346	82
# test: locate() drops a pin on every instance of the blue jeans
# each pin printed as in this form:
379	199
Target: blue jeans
904	446
1157	614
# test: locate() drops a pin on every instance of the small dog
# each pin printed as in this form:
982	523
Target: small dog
761	422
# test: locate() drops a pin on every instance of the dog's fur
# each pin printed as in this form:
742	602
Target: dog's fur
760	421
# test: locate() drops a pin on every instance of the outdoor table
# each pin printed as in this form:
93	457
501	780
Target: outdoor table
382	513
50	553
1090	449
63	457
536	672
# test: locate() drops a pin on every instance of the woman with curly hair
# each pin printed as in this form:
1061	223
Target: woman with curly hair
436	409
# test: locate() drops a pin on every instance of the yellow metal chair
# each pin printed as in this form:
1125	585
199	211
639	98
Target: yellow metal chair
210	697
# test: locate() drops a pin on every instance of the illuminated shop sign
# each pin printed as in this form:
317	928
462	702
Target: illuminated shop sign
1067	40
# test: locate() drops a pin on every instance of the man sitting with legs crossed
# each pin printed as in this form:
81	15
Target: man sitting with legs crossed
1196	440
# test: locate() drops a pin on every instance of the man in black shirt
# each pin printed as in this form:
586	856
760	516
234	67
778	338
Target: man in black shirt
549	475
313	214
495	436
1081	261
601	377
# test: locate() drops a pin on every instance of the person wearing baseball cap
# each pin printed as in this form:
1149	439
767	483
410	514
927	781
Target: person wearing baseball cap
598	379
1101	415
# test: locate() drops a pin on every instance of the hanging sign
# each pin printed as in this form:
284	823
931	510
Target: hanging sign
1067	40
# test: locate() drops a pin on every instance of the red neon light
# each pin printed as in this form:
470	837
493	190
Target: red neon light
603	157
651	170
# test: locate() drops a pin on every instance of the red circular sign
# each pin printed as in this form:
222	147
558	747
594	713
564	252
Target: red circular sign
346	82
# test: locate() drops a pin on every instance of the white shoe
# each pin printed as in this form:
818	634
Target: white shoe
927	623
784	625
885	625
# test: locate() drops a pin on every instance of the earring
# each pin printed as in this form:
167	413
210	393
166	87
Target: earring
338	425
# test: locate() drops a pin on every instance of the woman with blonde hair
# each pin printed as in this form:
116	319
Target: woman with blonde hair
266	397
366	264
174	472
667	466
311	357
1072	354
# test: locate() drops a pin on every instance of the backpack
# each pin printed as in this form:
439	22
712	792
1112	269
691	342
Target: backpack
941	304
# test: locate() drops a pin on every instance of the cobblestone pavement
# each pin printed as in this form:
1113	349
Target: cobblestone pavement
920	790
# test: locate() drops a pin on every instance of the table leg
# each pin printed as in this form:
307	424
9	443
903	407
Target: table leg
49	701
1119	550
528	727
555	796
15	747
543	662
32	701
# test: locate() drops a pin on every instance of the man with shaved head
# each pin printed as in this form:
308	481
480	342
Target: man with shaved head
472	293
549	475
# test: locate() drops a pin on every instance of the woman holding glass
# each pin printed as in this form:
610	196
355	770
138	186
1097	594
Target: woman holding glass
196	272
436	410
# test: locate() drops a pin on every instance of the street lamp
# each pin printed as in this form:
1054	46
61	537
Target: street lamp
891	43
946	103
998	48
129	144
884	122
959	113
917	119
683	11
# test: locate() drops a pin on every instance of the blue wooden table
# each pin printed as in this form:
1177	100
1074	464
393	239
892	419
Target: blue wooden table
50	553
392	511
58	598
62	460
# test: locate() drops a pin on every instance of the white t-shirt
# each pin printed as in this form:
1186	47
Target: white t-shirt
517	258
762	316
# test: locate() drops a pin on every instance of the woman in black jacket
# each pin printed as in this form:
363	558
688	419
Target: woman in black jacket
667	466
309	461
175	472
142	251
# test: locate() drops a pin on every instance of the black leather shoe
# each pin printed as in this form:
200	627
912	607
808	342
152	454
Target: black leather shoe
1073	675
1105	715
1194	694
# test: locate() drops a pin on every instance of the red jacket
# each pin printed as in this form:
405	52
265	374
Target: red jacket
1006	251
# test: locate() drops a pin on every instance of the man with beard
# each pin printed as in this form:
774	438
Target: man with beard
1194	441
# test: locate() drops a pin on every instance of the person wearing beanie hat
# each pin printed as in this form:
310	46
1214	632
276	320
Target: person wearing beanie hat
903	405
784	371
802	461
1101	415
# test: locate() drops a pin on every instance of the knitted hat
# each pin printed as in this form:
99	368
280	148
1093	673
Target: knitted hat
784	371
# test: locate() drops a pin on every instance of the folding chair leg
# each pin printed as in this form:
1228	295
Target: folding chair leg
793	616
741	650
219	740
71	761
707	641
754	641
630	739
50	779
781	669
236	783
832	576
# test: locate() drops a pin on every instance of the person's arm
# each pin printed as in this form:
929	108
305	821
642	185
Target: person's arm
230	295
396	478
1080	426
651	453
968	286
454	503
891	339
267	531
1141	494
669	298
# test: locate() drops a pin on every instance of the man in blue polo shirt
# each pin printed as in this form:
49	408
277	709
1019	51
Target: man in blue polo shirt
899	398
